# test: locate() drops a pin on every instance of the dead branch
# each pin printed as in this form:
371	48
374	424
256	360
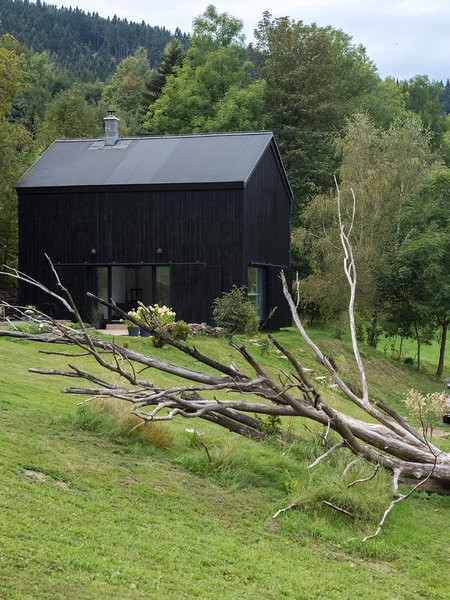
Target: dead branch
338	509
351	464
365	478
393	503
325	454
283	510
350	273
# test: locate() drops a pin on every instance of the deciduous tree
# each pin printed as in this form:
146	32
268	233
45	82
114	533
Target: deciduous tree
415	277
383	168
69	116
214	89
126	90
314	77
15	146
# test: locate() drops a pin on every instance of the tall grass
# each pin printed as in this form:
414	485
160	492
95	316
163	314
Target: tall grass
112	418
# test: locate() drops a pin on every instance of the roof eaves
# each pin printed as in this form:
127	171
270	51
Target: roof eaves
132	187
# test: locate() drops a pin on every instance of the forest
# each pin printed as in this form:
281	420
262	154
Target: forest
387	141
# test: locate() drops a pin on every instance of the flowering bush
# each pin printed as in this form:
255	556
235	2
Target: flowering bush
163	314
427	409
145	315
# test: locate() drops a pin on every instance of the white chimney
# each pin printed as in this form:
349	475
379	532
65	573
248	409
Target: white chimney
111	129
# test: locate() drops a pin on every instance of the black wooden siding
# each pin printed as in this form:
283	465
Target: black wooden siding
190	226
267	232
209	237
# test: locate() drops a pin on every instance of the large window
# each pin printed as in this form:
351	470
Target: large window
257	289
128	285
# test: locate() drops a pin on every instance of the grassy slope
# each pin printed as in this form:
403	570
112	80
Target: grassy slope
116	519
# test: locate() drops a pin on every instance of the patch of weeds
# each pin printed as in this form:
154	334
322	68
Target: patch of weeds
270	424
374	549
322	493
338	333
311	446
210	460
264	345
29	327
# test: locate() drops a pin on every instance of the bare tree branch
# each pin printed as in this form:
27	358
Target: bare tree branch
327	453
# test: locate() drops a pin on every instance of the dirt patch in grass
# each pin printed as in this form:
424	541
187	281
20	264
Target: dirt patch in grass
33	476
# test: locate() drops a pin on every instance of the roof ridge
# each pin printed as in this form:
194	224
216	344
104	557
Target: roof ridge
163	137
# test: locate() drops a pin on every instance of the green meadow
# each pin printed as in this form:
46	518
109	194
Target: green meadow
184	510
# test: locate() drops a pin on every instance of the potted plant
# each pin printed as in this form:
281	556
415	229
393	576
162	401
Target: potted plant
133	329
98	319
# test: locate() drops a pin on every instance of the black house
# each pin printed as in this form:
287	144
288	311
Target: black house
173	220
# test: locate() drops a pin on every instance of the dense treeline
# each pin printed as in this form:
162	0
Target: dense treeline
87	45
387	140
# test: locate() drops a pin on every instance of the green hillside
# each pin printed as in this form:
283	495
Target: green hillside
89	511
87	45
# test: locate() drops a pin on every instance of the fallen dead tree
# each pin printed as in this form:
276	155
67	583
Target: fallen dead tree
386	439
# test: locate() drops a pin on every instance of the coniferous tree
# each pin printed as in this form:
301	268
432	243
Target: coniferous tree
87	45
171	58
445	97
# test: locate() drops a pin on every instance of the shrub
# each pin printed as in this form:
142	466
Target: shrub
426	409
360	330
235	312
374	333
180	330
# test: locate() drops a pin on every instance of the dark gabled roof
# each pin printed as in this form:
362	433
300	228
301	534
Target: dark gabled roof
184	160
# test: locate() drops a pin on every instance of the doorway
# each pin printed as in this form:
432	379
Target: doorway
128	285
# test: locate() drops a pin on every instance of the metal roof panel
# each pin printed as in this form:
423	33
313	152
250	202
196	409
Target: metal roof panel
171	160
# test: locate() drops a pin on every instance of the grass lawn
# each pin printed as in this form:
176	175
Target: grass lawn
429	354
90	512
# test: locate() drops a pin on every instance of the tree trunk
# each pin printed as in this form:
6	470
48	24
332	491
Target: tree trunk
440	369
418	345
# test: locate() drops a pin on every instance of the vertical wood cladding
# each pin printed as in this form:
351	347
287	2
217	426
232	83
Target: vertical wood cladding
267	212
128	227
186	283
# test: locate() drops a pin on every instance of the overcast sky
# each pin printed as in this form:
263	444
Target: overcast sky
404	38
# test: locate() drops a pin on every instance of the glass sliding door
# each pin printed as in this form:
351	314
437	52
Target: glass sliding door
127	286
162	285
257	289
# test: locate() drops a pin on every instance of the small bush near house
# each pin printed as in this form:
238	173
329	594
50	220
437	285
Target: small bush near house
235	312
180	330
